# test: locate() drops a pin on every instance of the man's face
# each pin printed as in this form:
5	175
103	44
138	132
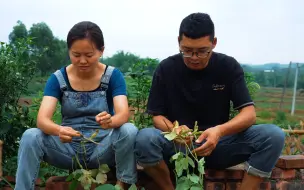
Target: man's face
196	52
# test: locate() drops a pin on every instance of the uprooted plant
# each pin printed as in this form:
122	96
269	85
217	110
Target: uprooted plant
88	177
186	178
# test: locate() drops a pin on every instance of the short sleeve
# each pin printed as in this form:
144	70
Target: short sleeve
156	101
239	92
52	87
117	83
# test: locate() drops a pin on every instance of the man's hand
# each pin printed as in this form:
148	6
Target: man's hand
179	130
104	120
66	134
212	136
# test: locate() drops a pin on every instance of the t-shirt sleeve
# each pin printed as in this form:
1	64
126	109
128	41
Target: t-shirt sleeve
239	92
52	87
118	83
156	101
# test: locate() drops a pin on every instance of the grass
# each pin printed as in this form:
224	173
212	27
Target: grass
267	102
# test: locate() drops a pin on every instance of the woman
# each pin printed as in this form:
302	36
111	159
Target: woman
92	96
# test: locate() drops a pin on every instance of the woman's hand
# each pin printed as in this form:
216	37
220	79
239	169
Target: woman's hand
104	119
67	133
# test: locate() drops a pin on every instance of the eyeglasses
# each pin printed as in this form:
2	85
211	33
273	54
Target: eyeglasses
199	54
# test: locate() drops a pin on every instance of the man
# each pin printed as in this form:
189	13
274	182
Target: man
197	85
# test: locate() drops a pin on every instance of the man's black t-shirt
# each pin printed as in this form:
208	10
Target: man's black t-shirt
186	95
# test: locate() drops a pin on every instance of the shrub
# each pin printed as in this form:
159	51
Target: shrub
16	71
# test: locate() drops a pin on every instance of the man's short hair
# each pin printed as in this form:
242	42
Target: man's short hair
197	25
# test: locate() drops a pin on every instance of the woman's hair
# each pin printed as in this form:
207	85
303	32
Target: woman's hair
86	29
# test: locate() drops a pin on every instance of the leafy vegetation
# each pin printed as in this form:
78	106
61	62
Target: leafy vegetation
138	90
16	71
184	159
87	177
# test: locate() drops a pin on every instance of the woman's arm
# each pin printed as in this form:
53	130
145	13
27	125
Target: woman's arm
121	109
45	123
45	114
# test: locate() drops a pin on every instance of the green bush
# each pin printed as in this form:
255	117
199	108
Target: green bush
252	86
16	70
139	84
265	114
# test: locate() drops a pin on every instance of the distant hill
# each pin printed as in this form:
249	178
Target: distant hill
266	66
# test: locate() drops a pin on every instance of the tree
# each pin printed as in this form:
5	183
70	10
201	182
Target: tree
19	32
42	41
124	61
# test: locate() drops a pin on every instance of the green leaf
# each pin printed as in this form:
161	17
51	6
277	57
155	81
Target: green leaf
87	187
78	171
94	172
171	136
183	184
201	163
70	177
73	185
101	178
105	187
196	187
104	168
194	178
176	156
190	161
202	160
201	168
5	127
77	176
133	187
117	187
185	163
178	168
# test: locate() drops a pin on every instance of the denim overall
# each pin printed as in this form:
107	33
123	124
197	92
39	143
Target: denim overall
79	110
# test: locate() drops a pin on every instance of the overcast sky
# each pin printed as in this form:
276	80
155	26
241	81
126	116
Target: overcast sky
252	31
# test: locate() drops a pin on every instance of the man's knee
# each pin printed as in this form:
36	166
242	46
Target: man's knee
149	146
147	137
273	135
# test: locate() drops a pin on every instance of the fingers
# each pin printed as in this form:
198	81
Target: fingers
205	149
68	131
65	138
66	134
103	118
180	129
102	114
201	137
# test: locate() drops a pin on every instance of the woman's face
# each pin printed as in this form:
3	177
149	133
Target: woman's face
84	55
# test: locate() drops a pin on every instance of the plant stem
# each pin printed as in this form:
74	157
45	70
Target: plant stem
7	182
78	161
84	156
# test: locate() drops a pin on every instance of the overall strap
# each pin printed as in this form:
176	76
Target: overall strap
105	79
60	78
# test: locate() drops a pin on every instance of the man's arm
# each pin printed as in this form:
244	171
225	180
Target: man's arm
246	118
156	102
162	123
241	101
